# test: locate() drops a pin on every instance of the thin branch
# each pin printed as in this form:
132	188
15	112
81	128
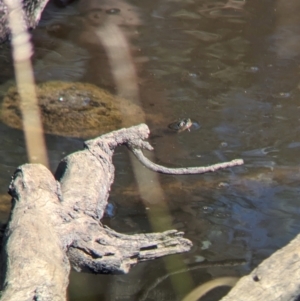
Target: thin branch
184	170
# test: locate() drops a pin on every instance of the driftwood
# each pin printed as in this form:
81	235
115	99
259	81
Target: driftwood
55	223
276	279
183	170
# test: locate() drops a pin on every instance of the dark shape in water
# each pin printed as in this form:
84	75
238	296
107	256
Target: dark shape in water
62	3
72	109
183	124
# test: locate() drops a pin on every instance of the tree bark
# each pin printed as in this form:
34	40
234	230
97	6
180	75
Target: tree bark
276	279
35	264
55	223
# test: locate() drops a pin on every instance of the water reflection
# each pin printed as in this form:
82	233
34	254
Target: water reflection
230	65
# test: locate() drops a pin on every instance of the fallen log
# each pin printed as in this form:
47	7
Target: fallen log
34	259
277	278
55	223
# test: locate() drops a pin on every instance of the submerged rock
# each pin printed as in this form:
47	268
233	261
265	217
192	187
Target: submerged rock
72	109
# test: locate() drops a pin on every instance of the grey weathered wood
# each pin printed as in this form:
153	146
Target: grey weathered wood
35	264
102	250
276	279
57	223
182	170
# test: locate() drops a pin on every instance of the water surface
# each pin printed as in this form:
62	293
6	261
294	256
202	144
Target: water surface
231	66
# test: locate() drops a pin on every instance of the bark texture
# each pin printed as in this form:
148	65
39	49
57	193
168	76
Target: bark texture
35	264
55	223
276	279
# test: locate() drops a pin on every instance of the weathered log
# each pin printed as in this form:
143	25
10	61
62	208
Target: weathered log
57	222
35	264
276	278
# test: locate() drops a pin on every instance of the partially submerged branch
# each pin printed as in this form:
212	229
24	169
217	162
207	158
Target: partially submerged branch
276	278
63	216
183	170
115	253
35	263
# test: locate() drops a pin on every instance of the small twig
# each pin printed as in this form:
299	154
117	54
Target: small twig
184	170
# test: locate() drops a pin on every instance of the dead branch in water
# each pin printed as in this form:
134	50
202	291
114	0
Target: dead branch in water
55	223
276	278
136	149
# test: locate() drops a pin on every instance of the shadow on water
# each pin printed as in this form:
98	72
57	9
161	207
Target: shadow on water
232	66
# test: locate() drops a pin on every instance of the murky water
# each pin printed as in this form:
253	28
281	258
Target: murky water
233	67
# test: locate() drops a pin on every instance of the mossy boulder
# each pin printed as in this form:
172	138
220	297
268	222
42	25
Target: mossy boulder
72	109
